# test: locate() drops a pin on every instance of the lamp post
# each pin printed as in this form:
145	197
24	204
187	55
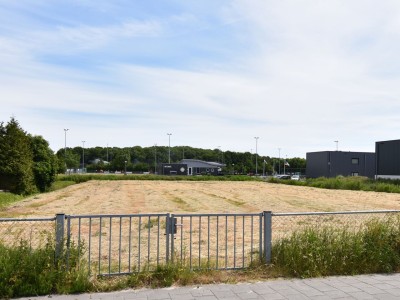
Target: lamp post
279	161
83	156
155	158
264	168
169	147
125	167
337	145
65	146
256	137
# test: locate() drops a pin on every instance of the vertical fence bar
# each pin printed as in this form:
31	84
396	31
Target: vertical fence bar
267	236
234	241
251	240
199	241
90	244
167	249
109	247
260	229
139	240
216	263
181	239
129	244
190	243
101	221
79	241
243	242
148	243
208	242
226	242
158	240
120	244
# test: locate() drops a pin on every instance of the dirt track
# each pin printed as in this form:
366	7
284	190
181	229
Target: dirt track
128	197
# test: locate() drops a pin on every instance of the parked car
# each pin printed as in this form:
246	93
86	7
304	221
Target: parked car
282	176
295	177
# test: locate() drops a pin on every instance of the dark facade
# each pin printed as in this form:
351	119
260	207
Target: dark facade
335	163
200	167
173	169
388	159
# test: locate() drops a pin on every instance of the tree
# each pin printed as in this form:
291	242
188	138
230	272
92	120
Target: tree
16	159
44	163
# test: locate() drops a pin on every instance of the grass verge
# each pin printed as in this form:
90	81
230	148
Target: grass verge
355	183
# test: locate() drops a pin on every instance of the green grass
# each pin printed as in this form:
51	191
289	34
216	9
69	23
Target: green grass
25	271
327	251
354	183
8	198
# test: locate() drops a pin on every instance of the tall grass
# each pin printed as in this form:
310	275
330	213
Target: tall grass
8	198
25	271
355	183
326	251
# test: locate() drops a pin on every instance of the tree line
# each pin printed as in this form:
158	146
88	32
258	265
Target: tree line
147	159
28	165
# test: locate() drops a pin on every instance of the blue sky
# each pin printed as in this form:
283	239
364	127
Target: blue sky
297	74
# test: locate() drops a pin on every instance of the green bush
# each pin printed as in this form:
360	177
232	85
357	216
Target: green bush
25	271
327	251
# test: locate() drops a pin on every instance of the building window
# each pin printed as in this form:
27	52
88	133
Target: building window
354	161
355	174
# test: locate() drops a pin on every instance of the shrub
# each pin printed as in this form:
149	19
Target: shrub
25	271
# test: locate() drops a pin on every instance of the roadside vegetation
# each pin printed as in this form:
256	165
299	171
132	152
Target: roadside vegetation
311	252
354	183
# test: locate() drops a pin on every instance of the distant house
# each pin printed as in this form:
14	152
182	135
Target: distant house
335	163
388	159
191	167
200	167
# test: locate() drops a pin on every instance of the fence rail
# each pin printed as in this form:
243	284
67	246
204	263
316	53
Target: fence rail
123	244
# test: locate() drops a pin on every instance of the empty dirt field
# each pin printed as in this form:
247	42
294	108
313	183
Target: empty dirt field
131	197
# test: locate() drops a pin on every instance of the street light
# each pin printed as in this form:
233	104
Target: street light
155	158
125	167
169	147
65	146
256	137
83	156
337	145
279	161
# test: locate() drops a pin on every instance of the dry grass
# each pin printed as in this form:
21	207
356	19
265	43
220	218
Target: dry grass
122	197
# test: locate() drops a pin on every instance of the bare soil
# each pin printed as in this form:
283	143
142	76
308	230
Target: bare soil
130	197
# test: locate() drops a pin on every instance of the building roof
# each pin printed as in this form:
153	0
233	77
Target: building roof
201	163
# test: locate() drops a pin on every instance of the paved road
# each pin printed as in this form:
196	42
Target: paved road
348	287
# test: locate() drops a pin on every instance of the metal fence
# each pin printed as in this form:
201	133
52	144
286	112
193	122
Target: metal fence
122	244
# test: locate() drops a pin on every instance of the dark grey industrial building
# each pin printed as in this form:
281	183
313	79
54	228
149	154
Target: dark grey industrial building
388	159
335	163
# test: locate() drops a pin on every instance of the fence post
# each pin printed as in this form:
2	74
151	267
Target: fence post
267	236
59	234
167	229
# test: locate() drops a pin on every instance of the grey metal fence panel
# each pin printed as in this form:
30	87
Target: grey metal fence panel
120	244
217	241
35	232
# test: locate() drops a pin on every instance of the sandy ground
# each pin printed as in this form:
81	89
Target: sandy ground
130	197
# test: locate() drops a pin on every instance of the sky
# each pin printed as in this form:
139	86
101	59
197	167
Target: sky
299	75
